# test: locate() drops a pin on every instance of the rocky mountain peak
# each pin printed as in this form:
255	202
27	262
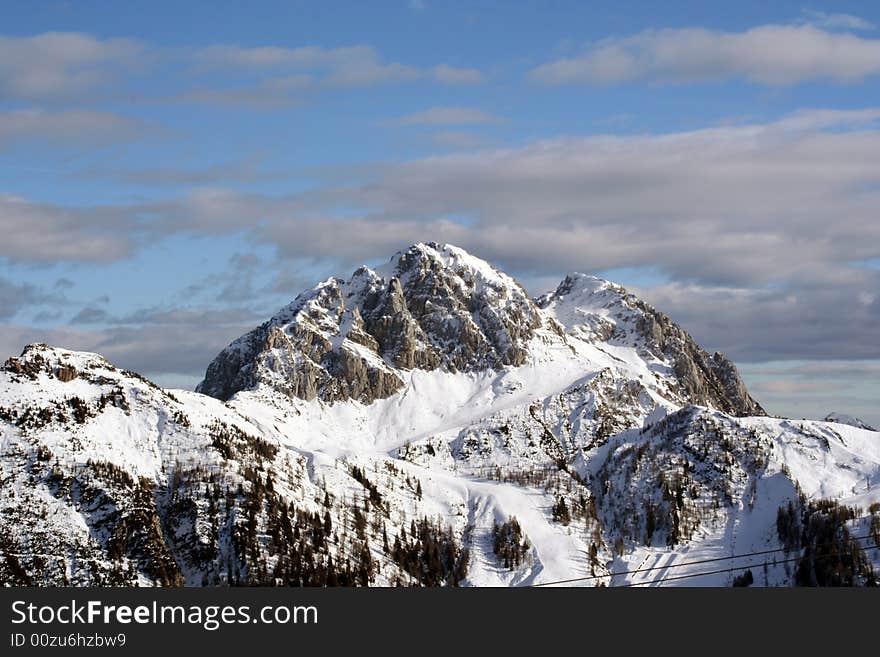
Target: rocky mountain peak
435	306
431	306
596	310
586	413
38	359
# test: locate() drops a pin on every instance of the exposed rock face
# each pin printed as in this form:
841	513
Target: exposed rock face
599	311
34	360
109	480
445	308
431	306
435	306
707	380
65	373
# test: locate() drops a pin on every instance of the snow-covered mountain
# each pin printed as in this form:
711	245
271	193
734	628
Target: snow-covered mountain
427	422
842	418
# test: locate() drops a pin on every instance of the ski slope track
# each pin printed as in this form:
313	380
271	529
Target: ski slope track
426	423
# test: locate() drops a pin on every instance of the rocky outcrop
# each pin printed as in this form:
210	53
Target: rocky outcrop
65	373
599	311
433	306
39	358
705	380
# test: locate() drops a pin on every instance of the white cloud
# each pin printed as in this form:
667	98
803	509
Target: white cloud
815	320
835	21
743	204
768	54
451	75
447	116
758	228
718	204
789	387
69	126
459	140
37	232
350	66
58	64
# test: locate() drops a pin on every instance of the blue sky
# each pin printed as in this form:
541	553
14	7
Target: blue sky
172	173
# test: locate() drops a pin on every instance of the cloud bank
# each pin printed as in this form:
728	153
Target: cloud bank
767	54
761	231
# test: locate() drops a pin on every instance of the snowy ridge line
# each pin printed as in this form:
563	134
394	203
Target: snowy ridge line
730	570
688	563
609	441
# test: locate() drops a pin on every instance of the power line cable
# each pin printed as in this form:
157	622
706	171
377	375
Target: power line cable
680	564
730	570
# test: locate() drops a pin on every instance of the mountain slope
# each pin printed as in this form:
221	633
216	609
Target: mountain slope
592	309
389	428
437	307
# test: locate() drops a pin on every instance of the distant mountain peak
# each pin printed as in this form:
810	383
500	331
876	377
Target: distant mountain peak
843	418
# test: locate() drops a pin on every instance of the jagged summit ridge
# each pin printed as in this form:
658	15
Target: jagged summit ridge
431	306
435	306
594	309
591	456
